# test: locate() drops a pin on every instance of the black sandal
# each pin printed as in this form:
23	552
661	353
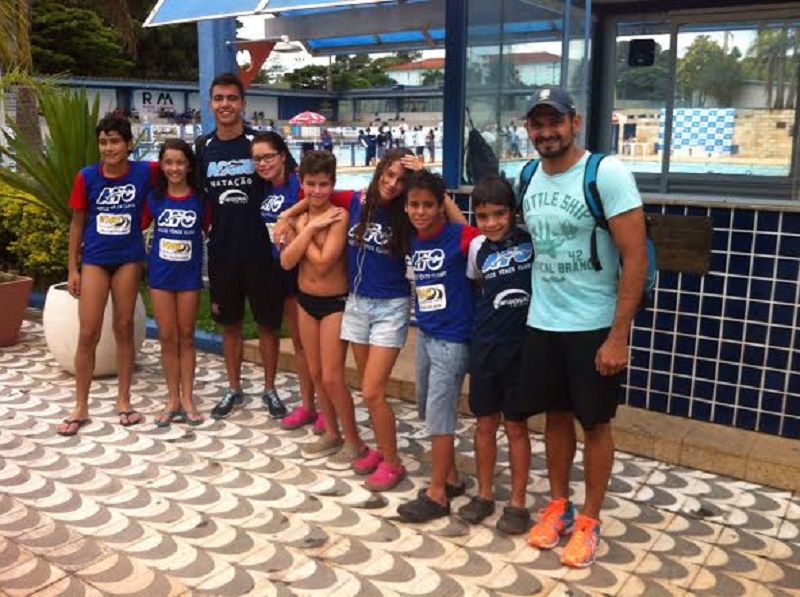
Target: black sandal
423	509
454	491
514	521
476	510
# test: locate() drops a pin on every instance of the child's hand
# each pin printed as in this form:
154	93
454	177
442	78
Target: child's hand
410	162
334	214
74	283
283	232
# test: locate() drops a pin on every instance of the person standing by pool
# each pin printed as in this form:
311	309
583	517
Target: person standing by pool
175	274
277	168
240	261
576	342
105	236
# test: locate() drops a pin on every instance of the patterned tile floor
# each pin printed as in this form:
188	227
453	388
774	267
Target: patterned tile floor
231	508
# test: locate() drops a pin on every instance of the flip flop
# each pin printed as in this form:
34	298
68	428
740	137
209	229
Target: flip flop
128	414
70	422
166	421
187	417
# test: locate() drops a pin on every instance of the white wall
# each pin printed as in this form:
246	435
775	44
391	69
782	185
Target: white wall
108	99
150	101
267	105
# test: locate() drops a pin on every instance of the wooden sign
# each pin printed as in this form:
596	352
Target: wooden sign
683	243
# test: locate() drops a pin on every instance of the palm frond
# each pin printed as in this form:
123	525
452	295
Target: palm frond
46	176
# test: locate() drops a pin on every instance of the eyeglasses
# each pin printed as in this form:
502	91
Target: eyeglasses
266	157
231	98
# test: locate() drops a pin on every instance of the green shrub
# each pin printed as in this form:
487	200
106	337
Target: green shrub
34	242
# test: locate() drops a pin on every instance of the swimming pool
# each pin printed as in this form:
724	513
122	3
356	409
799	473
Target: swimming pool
511	168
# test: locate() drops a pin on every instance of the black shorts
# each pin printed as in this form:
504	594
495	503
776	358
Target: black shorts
319	307
558	374
230	282
286	279
494	379
420	150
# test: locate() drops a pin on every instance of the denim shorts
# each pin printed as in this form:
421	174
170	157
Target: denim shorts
377	322
441	367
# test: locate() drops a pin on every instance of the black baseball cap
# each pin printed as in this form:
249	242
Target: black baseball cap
555	97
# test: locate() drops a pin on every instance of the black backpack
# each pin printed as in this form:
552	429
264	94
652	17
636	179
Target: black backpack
480	160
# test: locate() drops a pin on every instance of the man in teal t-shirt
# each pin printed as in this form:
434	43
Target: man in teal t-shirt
579	320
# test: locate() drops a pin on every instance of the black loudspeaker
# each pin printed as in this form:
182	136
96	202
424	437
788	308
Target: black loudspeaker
642	52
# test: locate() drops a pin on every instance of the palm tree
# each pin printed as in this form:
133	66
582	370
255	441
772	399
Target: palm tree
776	53
15	49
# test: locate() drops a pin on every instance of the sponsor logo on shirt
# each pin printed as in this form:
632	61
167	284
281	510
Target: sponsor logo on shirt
230	168
430	260
233	196
115	195
114	224
521	253
375	233
177	218
175	250
272	204
431	298
512	297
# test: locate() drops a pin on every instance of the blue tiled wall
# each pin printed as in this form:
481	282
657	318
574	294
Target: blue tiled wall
725	347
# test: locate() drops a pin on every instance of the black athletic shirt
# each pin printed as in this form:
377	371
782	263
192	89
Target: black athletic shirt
227	175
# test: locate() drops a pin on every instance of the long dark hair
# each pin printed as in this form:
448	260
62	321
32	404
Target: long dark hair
278	144
186	150
400	241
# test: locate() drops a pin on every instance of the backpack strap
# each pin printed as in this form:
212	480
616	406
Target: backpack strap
591	195
528	170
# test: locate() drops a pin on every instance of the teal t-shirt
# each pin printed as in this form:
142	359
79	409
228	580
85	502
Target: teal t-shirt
568	294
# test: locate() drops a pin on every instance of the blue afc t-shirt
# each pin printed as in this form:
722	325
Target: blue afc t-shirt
445	304
227	176
372	270
276	200
504	272
113	233
570	295
175	262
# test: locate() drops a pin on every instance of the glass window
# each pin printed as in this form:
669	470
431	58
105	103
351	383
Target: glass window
514	46
735	98
641	89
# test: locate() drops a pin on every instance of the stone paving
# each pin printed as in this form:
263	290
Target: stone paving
231	508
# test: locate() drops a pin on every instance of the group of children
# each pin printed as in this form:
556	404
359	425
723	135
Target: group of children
350	251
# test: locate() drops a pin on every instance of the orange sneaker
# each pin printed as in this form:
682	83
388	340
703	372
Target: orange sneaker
554	522
579	552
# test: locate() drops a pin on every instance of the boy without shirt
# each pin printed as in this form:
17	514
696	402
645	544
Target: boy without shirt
319	249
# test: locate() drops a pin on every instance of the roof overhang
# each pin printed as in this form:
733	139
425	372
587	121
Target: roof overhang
171	12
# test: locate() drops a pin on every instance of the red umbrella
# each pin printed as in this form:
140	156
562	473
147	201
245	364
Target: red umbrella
307	118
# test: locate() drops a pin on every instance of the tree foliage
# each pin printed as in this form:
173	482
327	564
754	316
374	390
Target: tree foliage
642	83
347	72
707	71
774	57
433	77
75	40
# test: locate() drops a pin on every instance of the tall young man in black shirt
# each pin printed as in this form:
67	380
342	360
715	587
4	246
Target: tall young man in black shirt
240	263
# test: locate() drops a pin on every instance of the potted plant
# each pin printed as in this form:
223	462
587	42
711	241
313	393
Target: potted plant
14	292
45	178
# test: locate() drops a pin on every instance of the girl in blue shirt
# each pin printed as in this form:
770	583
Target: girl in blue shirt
175	267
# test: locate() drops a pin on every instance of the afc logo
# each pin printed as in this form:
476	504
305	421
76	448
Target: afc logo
521	253
177	218
113	195
428	260
375	234
272	204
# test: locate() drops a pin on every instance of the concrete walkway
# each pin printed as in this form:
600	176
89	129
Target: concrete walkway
231	508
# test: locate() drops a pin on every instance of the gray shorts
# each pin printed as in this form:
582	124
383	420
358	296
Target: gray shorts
377	322
441	367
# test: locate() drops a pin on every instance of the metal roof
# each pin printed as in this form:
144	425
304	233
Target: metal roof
329	27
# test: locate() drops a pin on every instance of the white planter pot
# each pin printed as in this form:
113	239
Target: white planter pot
60	320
